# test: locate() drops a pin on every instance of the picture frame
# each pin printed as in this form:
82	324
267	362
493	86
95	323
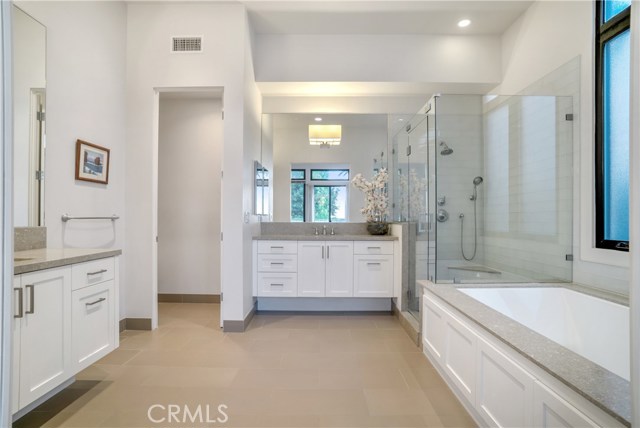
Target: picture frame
92	162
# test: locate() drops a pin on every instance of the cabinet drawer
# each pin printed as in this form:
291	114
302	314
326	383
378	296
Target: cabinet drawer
373	276
373	247
92	324
93	272
277	247
277	263
277	284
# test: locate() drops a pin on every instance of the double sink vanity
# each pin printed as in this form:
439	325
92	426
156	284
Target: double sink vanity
66	316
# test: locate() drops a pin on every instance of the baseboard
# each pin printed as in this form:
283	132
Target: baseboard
136	323
123	325
188	298
238	326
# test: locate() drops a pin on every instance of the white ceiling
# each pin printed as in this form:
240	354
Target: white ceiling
383	16
298	120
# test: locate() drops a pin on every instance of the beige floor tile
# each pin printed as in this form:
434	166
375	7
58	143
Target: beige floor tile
285	371
398	402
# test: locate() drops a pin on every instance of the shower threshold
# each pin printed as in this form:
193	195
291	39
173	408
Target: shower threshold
482	269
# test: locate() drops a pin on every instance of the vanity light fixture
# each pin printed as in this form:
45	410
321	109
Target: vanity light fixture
464	23
325	135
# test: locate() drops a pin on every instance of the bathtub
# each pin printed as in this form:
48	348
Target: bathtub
594	328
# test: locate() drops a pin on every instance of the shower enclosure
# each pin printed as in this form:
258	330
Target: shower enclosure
484	187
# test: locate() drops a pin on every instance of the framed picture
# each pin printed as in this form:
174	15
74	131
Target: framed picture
92	162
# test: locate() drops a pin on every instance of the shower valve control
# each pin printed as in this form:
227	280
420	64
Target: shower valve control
442	200
442	215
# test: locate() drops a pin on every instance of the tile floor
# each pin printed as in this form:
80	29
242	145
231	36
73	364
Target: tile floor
285	371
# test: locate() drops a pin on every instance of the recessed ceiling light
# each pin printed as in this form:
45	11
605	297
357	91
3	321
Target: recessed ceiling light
318	119
464	23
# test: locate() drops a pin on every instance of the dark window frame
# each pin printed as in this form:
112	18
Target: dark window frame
604	32
312	170
330	187
302	181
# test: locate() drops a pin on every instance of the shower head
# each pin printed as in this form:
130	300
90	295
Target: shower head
446	151
477	181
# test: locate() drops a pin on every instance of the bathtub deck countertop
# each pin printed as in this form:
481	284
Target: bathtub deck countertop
47	258
310	237
606	390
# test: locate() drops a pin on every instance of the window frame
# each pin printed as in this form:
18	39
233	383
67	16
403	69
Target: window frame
604	32
310	184
302	181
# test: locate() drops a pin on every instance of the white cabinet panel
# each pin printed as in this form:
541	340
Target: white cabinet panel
277	284
460	356
433	328
93	324
277	263
504	391
18	314
373	276
339	269
45	340
551	411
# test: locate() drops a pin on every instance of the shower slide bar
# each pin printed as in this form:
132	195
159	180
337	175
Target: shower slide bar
67	217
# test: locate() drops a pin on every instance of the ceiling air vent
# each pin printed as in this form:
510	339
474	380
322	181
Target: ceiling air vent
186	44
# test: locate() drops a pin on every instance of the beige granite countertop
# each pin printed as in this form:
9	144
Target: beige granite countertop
310	237
46	258
606	390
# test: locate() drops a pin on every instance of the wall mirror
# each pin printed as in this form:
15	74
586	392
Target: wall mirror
311	180
261	189
29	101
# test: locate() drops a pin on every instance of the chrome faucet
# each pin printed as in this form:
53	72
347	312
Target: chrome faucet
324	229
333	232
316	230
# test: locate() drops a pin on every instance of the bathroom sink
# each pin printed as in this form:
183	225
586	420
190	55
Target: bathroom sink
22	259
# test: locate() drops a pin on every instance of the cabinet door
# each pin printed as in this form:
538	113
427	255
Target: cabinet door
311	268
339	269
433	329
45	336
92	324
373	276
459	357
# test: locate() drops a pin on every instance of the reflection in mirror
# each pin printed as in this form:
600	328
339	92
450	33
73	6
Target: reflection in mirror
29	83
362	149
261	204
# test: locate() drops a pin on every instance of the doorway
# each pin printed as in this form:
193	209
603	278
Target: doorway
190	137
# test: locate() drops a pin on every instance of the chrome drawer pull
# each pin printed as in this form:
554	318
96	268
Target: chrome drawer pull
277	285
102	299
374	248
98	272
273	248
372	263
276	263
20	302
32	298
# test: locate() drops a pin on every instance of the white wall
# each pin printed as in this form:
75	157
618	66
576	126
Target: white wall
29	53
189	165
85	100
548	35
150	64
345	104
360	145
378	58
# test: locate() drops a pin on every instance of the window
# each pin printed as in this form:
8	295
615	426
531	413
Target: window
613	54
319	193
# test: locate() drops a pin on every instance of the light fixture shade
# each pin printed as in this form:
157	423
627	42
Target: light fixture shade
325	135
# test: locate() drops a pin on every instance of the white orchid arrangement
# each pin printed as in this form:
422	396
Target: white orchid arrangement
412	202
375	195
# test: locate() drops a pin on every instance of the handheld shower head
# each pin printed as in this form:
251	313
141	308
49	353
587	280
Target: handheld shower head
477	181
446	151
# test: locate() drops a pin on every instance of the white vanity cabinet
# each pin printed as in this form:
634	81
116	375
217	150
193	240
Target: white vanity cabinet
65	319
43	333
325	268
277	266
